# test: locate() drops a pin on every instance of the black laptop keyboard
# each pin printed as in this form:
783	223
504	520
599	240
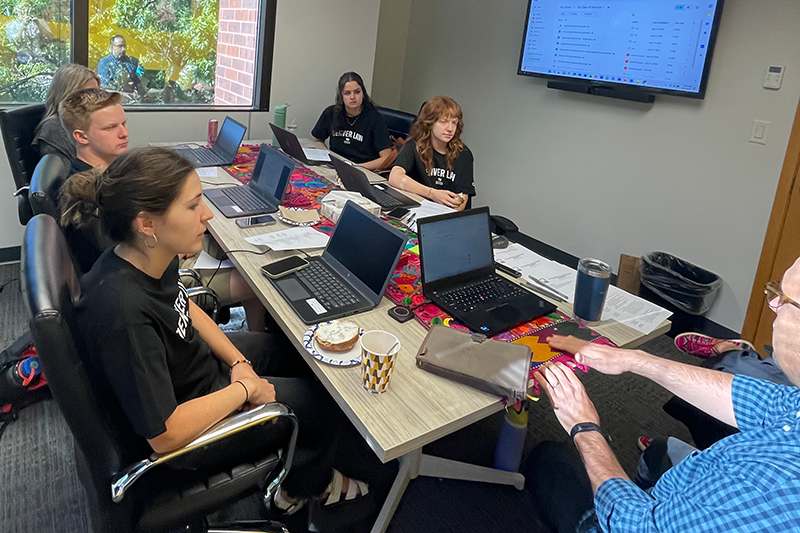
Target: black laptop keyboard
200	155
384	199
492	290
326	287
245	198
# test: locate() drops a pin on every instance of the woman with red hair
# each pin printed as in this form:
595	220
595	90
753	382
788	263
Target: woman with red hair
434	163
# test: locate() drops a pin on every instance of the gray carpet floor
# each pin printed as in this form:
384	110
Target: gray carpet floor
40	491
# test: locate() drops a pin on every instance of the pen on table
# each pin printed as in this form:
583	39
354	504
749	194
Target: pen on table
544	292
411	220
548	287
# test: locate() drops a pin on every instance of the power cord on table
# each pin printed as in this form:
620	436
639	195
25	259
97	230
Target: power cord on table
225	256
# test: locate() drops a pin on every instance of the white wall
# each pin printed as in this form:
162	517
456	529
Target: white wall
315	42
599	177
390	52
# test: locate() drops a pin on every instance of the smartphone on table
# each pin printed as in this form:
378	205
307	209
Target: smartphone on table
261	220
397	213
281	268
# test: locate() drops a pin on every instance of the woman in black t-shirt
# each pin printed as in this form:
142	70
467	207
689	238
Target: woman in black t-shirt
434	163
173	371
355	128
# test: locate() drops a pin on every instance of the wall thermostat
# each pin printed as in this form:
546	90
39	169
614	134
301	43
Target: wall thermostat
774	77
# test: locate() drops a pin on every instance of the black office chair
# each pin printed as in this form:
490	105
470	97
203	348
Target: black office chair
88	243
128	487
17	127
398	122
47	177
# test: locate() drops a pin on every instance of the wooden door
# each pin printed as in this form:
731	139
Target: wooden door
781	244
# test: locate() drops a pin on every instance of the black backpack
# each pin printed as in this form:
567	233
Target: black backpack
14	396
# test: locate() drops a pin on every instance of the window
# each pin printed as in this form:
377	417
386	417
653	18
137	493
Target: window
178	52
34	42
154	52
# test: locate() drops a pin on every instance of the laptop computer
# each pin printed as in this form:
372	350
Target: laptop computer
291	145
228	140
263	193
354	179
352	273
455	253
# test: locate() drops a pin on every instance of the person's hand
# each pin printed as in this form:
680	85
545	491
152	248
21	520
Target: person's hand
259	391
605	359
567	394
446	198
567	343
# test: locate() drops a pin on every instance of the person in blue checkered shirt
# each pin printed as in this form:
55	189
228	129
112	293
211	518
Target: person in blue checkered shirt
747	482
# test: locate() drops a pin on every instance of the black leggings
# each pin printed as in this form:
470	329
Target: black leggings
560	486
562	493
276	359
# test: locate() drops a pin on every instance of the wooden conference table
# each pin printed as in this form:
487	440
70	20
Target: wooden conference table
418	408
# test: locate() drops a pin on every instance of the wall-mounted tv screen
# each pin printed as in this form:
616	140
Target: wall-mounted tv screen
649	46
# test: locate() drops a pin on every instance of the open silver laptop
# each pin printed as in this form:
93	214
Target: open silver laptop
352	273
224	150
263	193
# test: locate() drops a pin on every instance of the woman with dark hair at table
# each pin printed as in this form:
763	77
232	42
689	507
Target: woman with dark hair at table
173	371
355	128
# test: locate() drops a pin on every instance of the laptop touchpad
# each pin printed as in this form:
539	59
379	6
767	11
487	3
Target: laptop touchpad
292	289
505	313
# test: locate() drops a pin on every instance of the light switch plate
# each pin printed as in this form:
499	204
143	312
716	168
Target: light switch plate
774	77
759	131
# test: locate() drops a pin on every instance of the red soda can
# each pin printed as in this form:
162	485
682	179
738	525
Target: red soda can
212	131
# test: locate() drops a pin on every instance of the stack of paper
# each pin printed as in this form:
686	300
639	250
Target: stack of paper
621	306
426	209
291	239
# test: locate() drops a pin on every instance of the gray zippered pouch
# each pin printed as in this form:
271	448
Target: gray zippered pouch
495	367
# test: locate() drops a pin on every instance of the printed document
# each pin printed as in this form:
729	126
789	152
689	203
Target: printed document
291	239
626	308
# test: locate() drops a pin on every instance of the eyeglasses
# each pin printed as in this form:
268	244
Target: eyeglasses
773	290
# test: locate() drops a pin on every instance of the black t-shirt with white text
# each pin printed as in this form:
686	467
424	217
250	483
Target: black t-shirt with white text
459	180
138	331
360	139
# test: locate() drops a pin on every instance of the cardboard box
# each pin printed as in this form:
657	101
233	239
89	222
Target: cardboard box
333	204
628	276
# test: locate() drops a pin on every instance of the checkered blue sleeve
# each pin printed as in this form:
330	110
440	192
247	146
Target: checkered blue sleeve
622	506
758	403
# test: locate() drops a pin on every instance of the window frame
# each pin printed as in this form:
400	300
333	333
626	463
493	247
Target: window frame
262	75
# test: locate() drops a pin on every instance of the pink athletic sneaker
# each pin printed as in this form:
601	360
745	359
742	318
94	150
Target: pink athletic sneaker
701	345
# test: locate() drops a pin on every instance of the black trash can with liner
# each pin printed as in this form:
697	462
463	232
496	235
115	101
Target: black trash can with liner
689	287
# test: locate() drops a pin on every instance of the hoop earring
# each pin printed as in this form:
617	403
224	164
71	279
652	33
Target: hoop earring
155	241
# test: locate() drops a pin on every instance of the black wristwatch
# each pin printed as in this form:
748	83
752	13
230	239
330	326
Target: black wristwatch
587	426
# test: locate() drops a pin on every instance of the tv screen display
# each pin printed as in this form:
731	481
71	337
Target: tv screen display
654	46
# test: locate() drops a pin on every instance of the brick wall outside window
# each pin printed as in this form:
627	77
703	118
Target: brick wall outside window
236	52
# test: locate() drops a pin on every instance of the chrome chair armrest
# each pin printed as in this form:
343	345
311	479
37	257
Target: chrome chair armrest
206	291
124	479
191	273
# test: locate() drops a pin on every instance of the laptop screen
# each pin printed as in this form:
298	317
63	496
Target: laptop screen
366	246
230	137
455	245
272	172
